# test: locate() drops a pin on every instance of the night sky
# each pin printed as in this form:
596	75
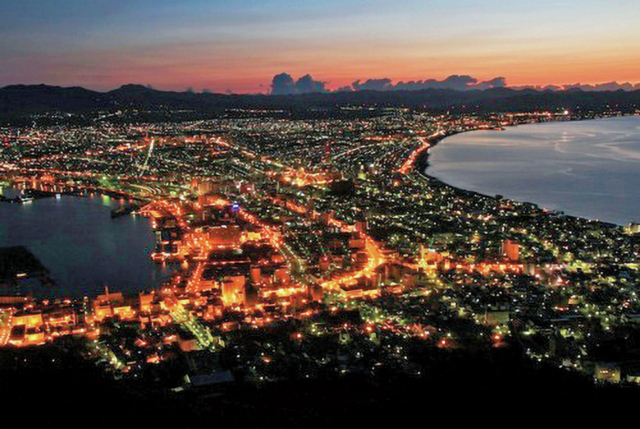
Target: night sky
239	45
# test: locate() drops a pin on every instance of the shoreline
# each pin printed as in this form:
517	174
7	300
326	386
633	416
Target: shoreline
422	165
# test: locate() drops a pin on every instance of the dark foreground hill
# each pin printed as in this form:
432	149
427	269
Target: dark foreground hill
48	385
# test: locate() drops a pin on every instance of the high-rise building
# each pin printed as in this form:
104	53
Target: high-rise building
511	250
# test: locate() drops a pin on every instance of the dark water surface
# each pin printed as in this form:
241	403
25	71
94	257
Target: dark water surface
589	169
83	248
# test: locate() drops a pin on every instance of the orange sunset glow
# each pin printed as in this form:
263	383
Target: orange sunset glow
217	47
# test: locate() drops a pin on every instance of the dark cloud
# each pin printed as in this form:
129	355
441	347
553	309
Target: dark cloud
457	82
614	86
460	83
410	86
283	84
539	87
496	82
306	85
373	85
609	86
580	87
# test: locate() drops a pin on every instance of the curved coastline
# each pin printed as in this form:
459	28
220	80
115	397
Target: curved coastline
422	166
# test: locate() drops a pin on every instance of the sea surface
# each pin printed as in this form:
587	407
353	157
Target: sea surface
589	169
84	249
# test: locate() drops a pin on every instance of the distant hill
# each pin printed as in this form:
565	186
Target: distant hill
16	99
17	102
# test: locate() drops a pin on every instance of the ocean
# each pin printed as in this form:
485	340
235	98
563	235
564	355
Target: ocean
589	168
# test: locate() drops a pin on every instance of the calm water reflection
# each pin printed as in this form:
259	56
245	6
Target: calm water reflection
587	168
83	248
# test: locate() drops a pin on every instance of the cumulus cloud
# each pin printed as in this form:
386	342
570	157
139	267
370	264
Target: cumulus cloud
283	84
306	84
609	86
538	87
373	85
411	85
496	82
457	82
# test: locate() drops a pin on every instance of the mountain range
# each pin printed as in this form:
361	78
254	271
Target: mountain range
19	102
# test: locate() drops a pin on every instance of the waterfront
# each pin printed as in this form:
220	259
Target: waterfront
81	245
352	262
586	168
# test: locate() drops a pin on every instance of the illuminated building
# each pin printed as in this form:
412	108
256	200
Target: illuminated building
103	305
187	341
224	235
281	276
28	319
632	228
256	274
233	290
511	250
61	317
146	301
607	372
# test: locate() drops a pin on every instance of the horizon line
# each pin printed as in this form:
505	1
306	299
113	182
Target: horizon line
592	86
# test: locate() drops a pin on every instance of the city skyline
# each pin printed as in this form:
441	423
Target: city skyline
340	213
238	47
